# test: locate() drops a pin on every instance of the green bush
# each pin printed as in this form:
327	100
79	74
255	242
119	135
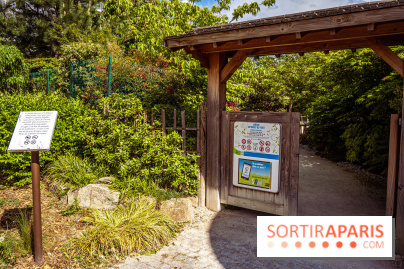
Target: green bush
119	141
67	136
13	71
135	227
73	171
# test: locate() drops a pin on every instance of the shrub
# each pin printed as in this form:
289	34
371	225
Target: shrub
129	149
73	171
131	228
13	71
67	136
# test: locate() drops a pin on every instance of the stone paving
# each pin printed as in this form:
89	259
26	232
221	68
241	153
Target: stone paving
203	245
228	239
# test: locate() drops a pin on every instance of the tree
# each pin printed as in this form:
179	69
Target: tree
13	72
36	26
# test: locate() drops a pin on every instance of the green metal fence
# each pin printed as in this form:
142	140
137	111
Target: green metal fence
100	77
42	81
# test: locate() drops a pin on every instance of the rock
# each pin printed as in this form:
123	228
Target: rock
179	209
105	180
194	201
94	196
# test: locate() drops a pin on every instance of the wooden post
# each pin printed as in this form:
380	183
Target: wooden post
163	122
294	165
400	198
202	159
216	103
394	149
184	133
36	197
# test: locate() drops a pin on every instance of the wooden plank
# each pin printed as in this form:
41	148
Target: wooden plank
294	166
394	144
216	103
331	22
226	157
163	121
202	162
388	55
355	33
233	65
277	209
258	116
285	166
184	133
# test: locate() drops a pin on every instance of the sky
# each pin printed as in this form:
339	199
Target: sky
283	7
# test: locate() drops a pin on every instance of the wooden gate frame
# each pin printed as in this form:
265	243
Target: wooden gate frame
285	201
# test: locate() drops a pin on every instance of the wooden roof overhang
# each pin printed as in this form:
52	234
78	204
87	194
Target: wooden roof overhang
374	24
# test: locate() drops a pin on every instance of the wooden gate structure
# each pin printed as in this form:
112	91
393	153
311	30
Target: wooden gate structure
283	202
374	25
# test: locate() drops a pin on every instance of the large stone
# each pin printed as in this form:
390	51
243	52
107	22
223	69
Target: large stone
94	196
105	180
179	209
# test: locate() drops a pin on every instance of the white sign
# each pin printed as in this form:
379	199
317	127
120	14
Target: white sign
33	131
256	155
325	237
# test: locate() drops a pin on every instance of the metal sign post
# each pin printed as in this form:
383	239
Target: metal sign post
36	196
33	132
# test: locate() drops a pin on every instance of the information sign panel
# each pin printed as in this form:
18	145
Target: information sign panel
256	155
33	131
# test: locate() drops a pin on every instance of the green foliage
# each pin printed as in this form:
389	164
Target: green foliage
73	171
13	72
115	142
132	186
126	229
67	136
351	119
37	27
71	209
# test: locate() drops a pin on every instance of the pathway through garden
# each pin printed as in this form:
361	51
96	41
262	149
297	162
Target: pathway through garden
228	239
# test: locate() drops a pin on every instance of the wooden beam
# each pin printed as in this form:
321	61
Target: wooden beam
268	39
216	103
215	45
394	150
298	35
315	24
240	42
388	55
333	32
371	26
400	197
233	65
202	58
354	33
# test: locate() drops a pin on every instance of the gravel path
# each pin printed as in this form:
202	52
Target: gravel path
228	239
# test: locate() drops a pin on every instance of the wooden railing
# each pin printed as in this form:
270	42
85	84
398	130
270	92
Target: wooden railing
200	140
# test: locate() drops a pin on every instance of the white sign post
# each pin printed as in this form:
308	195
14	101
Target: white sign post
33	132
256	155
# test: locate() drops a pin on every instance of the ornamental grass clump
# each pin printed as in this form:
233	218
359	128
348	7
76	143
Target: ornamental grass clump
135	227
